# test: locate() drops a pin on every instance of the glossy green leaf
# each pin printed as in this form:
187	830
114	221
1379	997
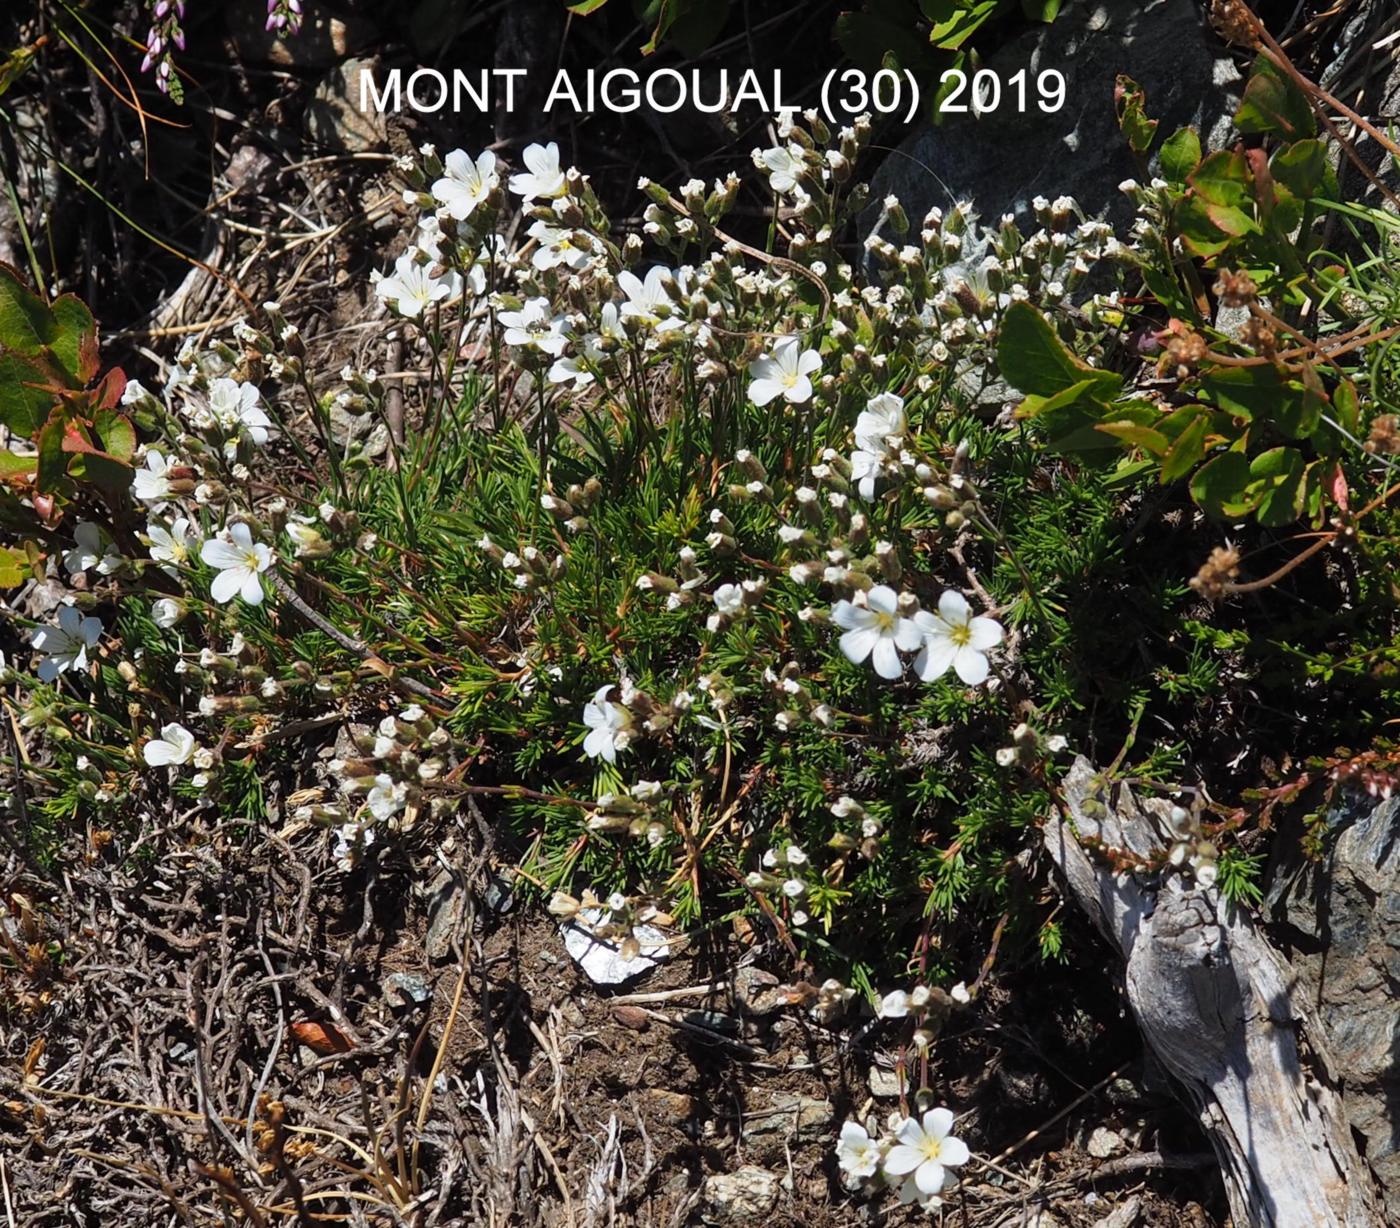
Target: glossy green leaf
1252	393
26	323
1035	361
14	567
1276	486
1186	450
1301	168
1273	105
117	434
1219	486
1136	435
24	403
1181	154
75	339
16	468
1300	410
1223	178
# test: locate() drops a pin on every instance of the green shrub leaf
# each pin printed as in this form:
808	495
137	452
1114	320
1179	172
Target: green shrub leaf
1181	154
1036	362
26	323
1272	105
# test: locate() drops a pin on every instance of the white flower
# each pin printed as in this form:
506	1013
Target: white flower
413	290
167	611
881	425
152	484
952	637
648	302
66	645
785	165
466	183
580	369
173	545
926	1151
543	177
239	561
387	797
856	1152
235	408
729	600
559	246
894	1005
609	726
876	630
909	1194
91	549
959	993
134	393
173	748
533	328
865	468
784	373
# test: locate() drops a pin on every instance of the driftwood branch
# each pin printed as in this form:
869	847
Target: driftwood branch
1215	1003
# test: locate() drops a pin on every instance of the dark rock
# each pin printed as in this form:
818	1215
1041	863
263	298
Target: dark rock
334	120
712	1021
1002	160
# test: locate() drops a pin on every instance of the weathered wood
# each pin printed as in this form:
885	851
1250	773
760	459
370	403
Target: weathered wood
1214	1002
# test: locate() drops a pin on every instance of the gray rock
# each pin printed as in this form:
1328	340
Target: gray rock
446	912
1342	919
499	892
886	1084
758	992
363	433
740	1197
1104	1142
1004	159
250	170
787	1119
405	990
333	116
601	958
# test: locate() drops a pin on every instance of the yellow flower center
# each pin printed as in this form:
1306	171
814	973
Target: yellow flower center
932	1148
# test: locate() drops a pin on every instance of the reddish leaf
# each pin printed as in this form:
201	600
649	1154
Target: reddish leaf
109	389
1337	487
322	1037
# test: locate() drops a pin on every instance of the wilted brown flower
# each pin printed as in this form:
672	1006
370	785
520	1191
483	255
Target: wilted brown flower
1236	288
1216	572
1234	22
1182	349
1385	435
1257	334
